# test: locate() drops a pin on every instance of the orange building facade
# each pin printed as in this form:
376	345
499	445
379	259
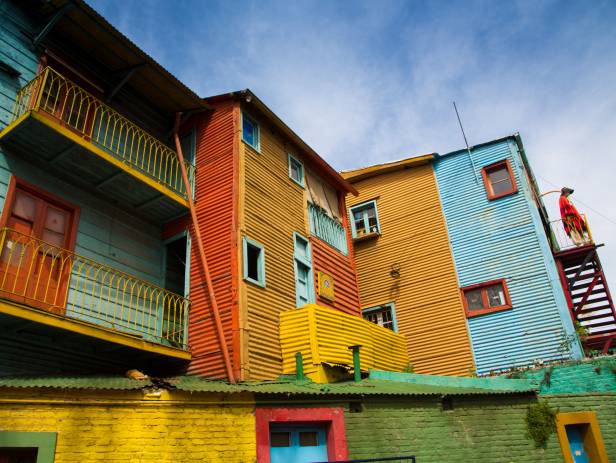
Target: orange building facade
405	267
271	213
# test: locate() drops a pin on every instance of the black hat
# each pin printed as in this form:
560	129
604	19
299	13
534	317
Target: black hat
566	190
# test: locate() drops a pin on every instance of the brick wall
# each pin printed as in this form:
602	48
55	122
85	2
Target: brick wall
486	429
136	430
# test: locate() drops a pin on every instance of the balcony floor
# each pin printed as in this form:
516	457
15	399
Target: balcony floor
38	342
67	155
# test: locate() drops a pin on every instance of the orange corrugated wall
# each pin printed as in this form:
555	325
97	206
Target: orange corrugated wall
216	164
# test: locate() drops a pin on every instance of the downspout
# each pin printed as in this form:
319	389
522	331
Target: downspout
201	248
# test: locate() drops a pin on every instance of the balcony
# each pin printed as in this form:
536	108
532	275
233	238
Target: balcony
329	230
324	337
561	241
53	286
81	139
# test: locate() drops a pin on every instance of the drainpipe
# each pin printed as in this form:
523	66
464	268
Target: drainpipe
201	248
299	367
356	364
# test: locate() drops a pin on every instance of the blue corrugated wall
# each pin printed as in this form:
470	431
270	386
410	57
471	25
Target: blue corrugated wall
504	239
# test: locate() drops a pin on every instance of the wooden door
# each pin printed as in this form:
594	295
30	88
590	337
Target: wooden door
35	264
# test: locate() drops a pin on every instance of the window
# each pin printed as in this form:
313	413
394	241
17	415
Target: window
499	180
188	144
327	228
365	220
382	315
27	447
254	262
296	171
250	132
304	281
485	298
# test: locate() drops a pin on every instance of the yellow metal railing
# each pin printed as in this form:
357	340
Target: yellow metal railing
561	240
60	98
41	275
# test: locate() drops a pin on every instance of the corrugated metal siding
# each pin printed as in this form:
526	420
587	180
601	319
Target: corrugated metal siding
341	267
274	208
324	335
427	300
214	207
499	239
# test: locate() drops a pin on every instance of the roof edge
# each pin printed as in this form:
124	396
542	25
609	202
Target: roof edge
378	169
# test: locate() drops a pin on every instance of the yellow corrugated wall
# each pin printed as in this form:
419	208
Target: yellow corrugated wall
427	299
324	335
274	208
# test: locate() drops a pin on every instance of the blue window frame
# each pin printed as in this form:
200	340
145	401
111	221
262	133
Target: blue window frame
365	219
42	444
254	262
304	279
250	132
296	171
382	315
298	443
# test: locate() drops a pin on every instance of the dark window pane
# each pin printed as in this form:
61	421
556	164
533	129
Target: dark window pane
498	174
252	259
249	132
280	439
500	180
496	295
473	299
308	439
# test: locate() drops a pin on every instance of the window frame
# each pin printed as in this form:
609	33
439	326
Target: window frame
594	439
302	181
257	148
297	259
352	221
483	286
260	263
391	306
44	442
488	186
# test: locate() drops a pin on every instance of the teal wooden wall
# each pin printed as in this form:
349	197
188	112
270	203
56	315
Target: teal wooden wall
106	233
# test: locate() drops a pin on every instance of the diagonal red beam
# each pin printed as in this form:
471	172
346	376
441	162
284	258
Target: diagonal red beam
197	237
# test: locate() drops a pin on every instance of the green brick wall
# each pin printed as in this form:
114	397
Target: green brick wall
479	429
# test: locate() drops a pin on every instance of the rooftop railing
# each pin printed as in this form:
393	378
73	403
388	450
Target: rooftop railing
75	108
47	277
562	241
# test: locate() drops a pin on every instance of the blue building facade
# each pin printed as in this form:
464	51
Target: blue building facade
516	309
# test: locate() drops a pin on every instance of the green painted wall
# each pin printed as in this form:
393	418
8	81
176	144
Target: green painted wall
479	429
597	375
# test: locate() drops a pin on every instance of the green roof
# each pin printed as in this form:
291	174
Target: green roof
287	386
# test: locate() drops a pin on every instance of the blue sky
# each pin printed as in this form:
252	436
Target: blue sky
368	82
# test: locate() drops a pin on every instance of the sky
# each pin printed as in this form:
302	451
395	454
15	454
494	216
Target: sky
370	82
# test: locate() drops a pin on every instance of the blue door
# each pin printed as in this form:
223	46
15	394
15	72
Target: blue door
299	444
576	444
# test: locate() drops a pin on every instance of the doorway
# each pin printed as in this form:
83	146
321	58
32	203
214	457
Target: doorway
298	444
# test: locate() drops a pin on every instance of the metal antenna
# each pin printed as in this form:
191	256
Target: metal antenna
470	155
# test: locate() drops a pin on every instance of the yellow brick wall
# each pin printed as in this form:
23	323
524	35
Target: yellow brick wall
124	428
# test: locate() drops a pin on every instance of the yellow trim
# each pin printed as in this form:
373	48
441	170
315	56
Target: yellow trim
593	441
9	128
378	169
107	157
88	329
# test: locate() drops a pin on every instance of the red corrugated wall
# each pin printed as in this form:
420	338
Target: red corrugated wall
342	268
215	163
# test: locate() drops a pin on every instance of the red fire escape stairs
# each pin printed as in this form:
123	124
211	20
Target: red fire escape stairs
588	296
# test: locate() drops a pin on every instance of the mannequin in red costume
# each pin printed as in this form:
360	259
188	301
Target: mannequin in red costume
574	223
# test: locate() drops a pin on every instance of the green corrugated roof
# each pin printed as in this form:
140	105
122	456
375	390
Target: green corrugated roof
286	386
81	382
